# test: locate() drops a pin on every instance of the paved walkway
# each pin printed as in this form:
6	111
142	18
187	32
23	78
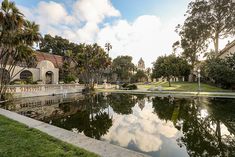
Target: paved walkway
101	148
173	93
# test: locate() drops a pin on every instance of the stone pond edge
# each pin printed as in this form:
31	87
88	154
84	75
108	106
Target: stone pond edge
101	148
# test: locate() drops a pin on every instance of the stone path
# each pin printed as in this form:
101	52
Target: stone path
173	93
101	148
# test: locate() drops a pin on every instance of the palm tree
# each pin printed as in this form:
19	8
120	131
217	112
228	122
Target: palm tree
31	33
17	37
10	18
108	47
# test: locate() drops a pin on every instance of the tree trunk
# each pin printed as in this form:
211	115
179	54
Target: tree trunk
169	81
216	43
190	78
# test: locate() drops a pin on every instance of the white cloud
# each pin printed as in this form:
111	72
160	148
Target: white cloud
143	129
81	24
146	37
53	13
51	16
95	11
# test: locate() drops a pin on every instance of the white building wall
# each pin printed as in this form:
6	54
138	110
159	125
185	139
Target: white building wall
18	70
228	52
39	73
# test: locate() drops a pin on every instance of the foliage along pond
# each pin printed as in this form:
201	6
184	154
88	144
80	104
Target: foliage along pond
157	126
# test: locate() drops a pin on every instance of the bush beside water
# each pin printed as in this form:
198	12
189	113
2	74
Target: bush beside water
127	86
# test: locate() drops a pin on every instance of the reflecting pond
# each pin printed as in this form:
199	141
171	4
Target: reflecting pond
157	126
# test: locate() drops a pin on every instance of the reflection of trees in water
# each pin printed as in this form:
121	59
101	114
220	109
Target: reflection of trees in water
122	103
91	119
201	134
91	125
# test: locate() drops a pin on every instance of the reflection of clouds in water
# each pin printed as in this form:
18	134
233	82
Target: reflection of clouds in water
142	128
203	113
224	131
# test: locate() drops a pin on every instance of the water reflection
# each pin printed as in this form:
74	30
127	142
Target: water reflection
201	123
158	126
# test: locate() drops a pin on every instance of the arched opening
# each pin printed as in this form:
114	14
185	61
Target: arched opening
49	77
26	75
4	76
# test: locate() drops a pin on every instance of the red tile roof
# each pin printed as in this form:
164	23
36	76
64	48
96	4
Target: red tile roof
55	59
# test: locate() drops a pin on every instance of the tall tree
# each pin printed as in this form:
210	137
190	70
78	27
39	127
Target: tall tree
169	67
17	36
139	76
193	36
123	67
91	60
218	17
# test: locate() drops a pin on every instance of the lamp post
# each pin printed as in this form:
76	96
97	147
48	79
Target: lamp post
199	76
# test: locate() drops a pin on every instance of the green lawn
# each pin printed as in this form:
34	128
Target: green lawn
17	140
182	86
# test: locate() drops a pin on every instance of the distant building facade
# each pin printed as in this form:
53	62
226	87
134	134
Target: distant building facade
228	50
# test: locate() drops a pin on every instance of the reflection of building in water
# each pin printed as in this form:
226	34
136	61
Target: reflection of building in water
45	107
141	104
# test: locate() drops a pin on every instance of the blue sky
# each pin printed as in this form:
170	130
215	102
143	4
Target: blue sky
140	28
131	9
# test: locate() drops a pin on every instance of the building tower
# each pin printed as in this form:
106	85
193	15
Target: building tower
141	64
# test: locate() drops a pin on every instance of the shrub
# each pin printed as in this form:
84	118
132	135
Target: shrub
7	97
69	78
132	87
17	82
129	86
125	85
88	90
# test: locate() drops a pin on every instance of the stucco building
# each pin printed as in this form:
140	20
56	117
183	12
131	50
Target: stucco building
46	69
228	50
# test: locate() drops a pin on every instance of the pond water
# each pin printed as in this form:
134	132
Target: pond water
157	126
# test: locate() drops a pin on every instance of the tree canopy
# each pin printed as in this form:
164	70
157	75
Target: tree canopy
139	76
123	66
56	45
169	67
214	16
221	71
91	61
193	38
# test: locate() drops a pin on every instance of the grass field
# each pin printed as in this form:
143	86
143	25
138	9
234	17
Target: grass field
182	86
17	140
